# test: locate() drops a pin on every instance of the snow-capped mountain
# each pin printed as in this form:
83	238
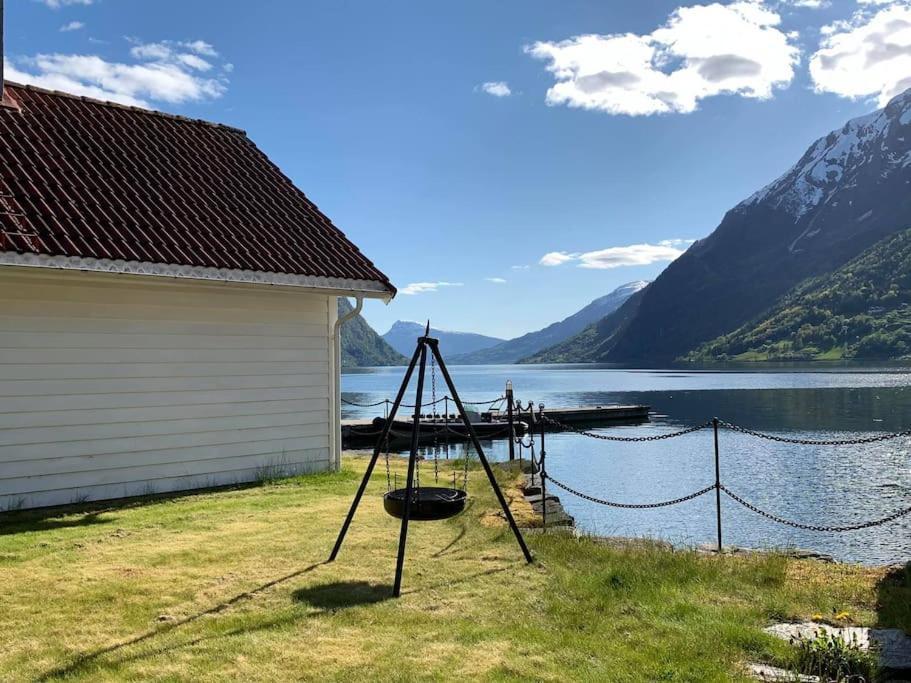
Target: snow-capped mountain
849	190
877	144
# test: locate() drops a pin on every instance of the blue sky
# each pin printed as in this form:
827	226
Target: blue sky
608	134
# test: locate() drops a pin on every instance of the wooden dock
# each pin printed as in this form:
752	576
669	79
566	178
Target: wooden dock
583	416
492	425
363	433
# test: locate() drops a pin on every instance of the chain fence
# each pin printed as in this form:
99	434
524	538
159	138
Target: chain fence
815	527
630	439
630	506
715	423
815	442
718	486
389	402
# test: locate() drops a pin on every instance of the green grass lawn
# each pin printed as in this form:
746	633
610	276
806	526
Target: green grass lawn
232	584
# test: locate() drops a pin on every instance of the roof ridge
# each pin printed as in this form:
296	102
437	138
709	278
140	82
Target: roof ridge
117	105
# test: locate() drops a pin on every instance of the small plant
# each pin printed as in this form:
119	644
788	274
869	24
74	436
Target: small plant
273	470
834	659
15	504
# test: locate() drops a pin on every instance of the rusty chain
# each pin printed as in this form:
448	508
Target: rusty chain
814	527
637	439
630	506
815	442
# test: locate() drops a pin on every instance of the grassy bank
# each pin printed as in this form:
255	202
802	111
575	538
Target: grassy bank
231	584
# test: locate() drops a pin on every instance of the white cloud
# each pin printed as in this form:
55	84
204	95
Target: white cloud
811	4
164	72
186	54
72	26
57	4
497	88
496	280
194	62
425	287
869	55
701	51
557	258
201	47
151	51
616	257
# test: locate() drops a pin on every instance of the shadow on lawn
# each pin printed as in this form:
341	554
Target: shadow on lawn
342	594
84	660
327	598
27	523
44	518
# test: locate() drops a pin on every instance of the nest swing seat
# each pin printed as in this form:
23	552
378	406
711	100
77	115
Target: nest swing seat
428	503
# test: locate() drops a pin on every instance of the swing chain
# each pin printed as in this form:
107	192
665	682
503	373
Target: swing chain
436	448
388	473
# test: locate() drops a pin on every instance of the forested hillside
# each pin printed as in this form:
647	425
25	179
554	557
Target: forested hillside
361	345
862	310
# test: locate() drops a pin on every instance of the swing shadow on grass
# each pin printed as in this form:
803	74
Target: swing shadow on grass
84	660
327	599
343	594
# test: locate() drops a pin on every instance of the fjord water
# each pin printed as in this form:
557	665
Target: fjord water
819	485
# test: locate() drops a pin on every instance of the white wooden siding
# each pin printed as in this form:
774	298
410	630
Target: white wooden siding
114	386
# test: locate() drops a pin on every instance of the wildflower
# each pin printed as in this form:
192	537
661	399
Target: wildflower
841	616
816	617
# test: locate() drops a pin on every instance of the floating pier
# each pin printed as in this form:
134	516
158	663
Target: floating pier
583	416
362	433
493	424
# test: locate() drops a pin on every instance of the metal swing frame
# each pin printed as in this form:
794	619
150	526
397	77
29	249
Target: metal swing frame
424	344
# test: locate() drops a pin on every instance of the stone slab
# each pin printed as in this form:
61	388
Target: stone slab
893	645
796	553
766	672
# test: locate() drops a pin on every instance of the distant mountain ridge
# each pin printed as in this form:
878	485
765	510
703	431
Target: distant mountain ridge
848	191
361	345
862	310
513	350
594	340
403	336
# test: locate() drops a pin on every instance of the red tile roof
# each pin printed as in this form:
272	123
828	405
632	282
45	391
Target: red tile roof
90	179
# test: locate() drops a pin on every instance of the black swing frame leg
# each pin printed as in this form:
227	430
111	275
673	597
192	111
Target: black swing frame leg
376	454
409	485
477	445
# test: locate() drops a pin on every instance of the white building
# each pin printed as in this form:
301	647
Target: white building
167	306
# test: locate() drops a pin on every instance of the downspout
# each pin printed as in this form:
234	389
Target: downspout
337	354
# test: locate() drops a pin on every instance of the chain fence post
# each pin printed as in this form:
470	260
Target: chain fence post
717	482
543	475
512	429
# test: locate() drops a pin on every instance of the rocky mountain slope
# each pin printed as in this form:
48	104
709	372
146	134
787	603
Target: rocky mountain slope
594	341
862	310
848	191
361	345
403	335
529	344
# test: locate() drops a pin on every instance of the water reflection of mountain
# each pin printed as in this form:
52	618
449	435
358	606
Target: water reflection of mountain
797	410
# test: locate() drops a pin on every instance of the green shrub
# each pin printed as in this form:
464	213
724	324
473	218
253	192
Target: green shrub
834	659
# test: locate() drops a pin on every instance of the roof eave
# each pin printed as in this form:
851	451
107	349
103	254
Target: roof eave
373	289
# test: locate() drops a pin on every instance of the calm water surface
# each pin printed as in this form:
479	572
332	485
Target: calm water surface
810	484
